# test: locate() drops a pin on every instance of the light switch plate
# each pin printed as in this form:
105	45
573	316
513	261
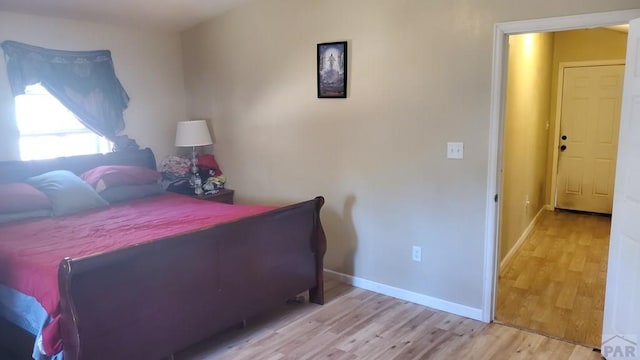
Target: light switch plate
416	253
455	150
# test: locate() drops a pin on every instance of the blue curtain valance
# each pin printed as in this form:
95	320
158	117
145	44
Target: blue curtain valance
83	81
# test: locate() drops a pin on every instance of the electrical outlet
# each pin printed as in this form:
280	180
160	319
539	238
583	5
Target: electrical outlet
416	253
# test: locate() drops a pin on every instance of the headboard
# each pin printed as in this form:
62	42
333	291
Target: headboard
16	171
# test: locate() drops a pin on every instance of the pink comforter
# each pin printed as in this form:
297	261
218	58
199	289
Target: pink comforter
31	251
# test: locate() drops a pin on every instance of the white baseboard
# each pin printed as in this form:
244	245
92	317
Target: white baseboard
522	239
550	207
435	303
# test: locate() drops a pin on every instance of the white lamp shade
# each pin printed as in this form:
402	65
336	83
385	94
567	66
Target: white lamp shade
193	133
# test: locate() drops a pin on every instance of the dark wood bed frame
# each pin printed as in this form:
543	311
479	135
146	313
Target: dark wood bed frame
152	300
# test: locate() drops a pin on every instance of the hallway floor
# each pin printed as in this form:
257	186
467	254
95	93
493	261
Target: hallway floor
554	284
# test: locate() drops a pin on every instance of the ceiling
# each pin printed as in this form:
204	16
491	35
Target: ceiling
170	15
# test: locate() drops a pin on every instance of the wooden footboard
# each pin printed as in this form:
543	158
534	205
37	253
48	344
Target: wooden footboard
151	300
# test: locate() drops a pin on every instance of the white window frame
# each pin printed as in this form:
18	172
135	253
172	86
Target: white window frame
55	141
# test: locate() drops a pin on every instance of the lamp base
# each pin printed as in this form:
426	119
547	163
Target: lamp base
195	177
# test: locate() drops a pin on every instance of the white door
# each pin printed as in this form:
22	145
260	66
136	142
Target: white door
621	328
589	124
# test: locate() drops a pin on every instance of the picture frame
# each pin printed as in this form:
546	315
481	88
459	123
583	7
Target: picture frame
332	69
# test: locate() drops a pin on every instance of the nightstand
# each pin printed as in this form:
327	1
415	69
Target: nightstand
223	196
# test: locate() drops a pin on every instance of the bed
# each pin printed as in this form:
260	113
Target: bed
128	289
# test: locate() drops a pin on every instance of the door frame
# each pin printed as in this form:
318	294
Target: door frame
553	198
496	126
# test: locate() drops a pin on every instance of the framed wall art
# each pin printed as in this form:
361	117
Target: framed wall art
332	70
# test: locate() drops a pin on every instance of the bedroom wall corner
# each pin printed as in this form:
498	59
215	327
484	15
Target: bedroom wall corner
419	76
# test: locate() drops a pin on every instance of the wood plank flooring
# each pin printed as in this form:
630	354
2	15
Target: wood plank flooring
555	283
357	324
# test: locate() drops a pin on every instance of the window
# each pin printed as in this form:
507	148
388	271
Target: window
48	129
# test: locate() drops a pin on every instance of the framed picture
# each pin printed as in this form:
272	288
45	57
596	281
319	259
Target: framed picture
332	70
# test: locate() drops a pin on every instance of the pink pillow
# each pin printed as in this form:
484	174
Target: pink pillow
103	177
22	197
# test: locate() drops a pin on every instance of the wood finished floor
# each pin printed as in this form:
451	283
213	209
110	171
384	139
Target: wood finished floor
357	324
555	283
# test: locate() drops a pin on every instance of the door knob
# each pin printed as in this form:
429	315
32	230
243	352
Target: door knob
563	147
564	137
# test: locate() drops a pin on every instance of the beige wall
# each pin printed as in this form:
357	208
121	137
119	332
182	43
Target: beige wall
525	134
579	45
419	76
149	65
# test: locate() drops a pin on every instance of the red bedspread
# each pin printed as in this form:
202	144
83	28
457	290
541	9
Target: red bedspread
31	251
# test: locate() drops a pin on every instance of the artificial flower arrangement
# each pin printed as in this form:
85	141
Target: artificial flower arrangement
175	167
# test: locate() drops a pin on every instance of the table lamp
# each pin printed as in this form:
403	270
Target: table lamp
193	133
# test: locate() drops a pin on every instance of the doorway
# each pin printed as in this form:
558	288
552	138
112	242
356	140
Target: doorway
552	266
496	128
